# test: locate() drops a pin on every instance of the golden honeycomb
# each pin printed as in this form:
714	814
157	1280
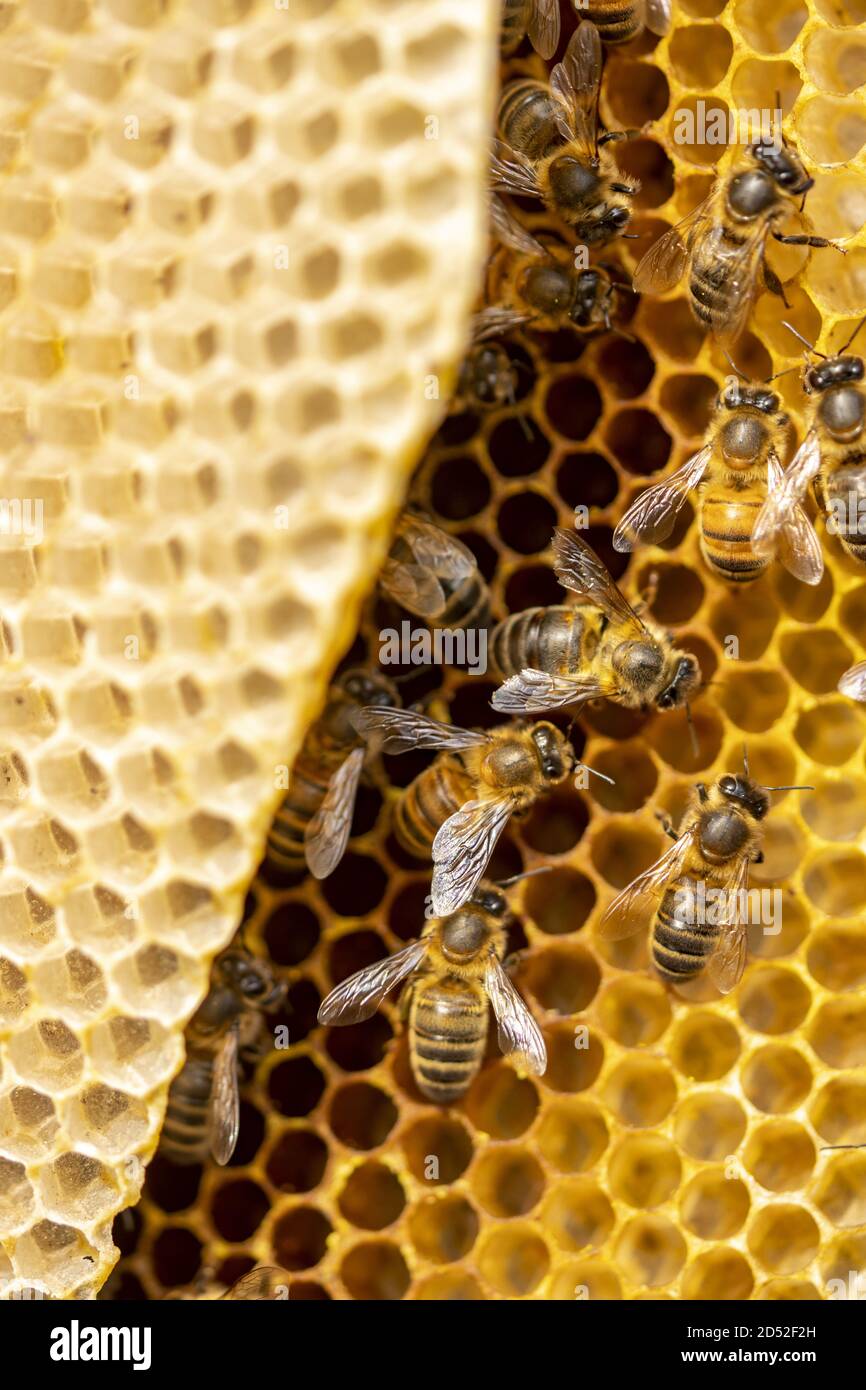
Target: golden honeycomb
674	1148
231	246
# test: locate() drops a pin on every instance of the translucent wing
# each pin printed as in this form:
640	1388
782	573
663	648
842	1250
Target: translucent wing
728	960
436	550
519	1034
225	1105
265	1281
804	466
513	172
739	271
651	518
402	730
798	546
853	682
327	834
462	850
665	262
636	904
578	568
413	587
574	83
657	16
543	27
508	230
530	691
496	322
360	996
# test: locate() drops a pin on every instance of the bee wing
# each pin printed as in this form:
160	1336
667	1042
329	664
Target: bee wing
636	904
728	960
413	587
265	1281
578	568
798	546
543	27
853	682
782	494
513	172
225	1102
519	1034
496	322
508	230
742	267
657	16
664	264
401	730
327	834
360	996
651	518
574	83
462	850
531	691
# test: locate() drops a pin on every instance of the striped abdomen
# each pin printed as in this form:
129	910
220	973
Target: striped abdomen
710	280
527	118
617	21
844	500
547	639
515	17
727	522
435	794
680	947
468	606
186	1133
307	788
447	1036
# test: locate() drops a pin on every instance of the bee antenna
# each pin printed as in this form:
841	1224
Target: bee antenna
527	873
746	761
740	374
696	747
797	334
604	777
853	336
788	789
776	375
827	1148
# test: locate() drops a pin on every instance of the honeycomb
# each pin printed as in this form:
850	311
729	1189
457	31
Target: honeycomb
674	1148
234	236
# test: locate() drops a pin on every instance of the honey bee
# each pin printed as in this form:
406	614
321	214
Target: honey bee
692	928
312	825
721	244
832	456
853	682
599	647
551	147
434	576
734	473
543	287
618	21
539	19
459	806
203	1113
455	969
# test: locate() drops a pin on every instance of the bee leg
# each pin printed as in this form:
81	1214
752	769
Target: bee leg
774	284
610	135
703	794
666	824
803	240
510	964
758	858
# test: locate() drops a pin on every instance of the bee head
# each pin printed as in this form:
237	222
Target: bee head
784	167
835	371
369	687
251	978
554	754
491	900
745	794
738	394
683	683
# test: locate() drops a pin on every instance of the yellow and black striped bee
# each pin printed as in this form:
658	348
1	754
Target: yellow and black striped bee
458	807
599	647
734	474
694	895
551	147
539	19
312	826
618	21
832	456
721	244
435	576
543	287
454	971
203	1112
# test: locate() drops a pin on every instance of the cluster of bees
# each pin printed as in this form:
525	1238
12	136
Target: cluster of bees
597	646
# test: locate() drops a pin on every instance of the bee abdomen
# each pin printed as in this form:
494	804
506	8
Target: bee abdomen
726	537
468	606
448	1034
424	806
547	639
680	948
286	835
186	1133
616	22
527	118
514	15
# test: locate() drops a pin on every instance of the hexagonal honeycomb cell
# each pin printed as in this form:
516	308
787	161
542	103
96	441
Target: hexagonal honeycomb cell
228	253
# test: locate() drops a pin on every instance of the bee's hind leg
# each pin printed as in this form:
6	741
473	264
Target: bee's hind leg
774	285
